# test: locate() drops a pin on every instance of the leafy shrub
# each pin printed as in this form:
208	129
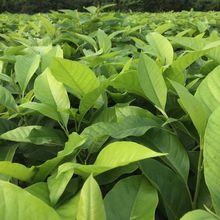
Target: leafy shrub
109	116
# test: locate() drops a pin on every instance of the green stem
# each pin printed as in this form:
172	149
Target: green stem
198	179
64	129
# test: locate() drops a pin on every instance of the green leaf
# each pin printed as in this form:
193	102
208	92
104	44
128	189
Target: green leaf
57	184
211	158
71	146
198	215
78	77
170	186
7	100
131	198
176	71
165	142
122	153
16	170
68	210
44	109
19	134
46	23
46	135
90	99
151	81
104	41
208	91
35	134
25	67
162	47
56	94
193	107
114	155
7	152
91	205
129	82
14	203
40	190
87	39
47	58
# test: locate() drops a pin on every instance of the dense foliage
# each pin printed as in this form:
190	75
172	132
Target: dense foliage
32	6
110	116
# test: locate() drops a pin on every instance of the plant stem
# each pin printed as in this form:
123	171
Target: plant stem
198	179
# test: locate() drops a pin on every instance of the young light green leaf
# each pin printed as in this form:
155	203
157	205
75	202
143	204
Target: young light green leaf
25	67
57	184
104	41
75	75
56	94
151	81
91	205
162	47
